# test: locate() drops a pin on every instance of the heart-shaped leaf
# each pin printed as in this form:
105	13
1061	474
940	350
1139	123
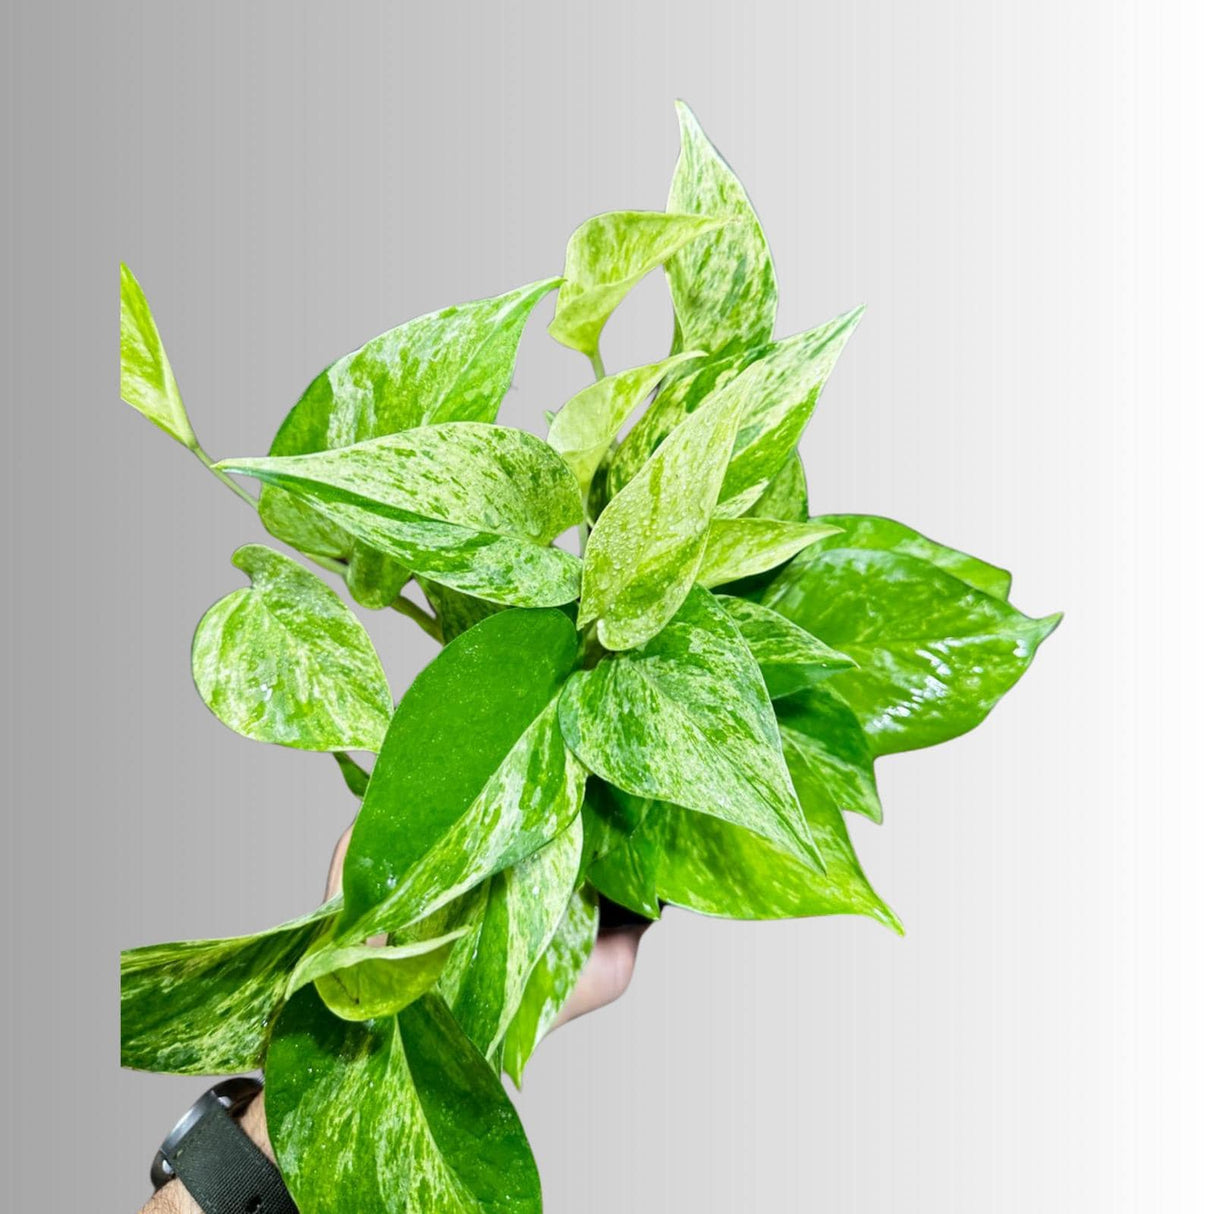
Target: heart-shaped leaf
740	547
606	257
646	549
203	1007
473	775
453	365
587	423
469	505
147	380
285	661
400	1114
551	982
687	719
933	654
521	911
724	286
789	657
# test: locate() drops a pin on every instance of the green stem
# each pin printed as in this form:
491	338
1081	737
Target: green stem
596	361
420	616
428	623
209	464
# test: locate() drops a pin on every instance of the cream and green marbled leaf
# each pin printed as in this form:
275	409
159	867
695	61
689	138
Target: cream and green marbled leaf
362	981
475	764
551	981
521	911
790	658
471	505
781	390
786	496
452	365
606	257
146	378
742	547
645	551
724	286
285	661
933	654
397	1115
586	425
687	719
203	1007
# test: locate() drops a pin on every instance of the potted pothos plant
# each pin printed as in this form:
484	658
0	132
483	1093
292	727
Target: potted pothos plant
682	712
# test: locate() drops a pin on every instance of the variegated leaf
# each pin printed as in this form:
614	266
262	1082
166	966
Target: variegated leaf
884	535
587	424
399	1115
451	365
470	505
474	763
523	907
687	719
147	380
645	551
790	658
606	257
724	286
740	547
786	496
203	1007
456	612
830	742
551	982
285	661
933	654
781	390
362	981
628	861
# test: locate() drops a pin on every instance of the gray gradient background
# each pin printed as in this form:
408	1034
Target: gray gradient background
1013	189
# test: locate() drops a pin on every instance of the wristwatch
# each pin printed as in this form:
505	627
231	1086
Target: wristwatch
217	1162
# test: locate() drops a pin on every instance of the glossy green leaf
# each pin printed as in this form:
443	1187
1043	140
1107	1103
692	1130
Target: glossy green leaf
724	286
147	380
606	257
789	657
375	579
587	424
687	719
470	505
786	496
934	655
551	982
473	775
825	735
740	547
780	390
355	776
453	365
645	551
716	868
456	612
884	535
203	1007
399	1115
628	862
523	907
286	661
362	981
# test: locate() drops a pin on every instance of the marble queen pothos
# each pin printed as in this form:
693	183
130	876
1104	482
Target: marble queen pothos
683	713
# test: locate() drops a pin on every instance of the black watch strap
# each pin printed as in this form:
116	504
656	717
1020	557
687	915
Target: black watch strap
221	1167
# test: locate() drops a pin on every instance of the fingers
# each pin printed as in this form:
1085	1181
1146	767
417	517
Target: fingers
333	885
607	973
